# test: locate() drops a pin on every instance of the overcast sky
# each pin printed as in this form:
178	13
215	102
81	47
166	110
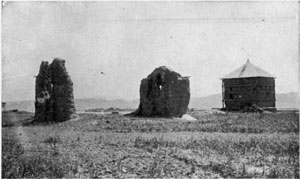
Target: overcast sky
128	40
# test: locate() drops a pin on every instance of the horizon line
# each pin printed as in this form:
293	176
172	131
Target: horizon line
120	98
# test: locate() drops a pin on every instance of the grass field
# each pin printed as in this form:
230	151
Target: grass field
232	145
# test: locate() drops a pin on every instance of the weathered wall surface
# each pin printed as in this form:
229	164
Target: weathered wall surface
54	93
163	93
42	94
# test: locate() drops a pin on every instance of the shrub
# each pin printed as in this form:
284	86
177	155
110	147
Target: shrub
53	140
7	124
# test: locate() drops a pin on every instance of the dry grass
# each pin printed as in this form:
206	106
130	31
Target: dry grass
112	146
17	165
230	123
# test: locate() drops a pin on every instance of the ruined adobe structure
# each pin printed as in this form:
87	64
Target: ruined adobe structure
164	93
54	100
43	90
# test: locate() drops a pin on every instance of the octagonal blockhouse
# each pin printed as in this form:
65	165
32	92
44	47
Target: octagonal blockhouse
248	86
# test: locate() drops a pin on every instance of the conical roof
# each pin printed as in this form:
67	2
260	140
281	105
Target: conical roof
248	70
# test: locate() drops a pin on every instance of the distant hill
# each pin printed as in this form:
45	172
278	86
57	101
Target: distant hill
26	105
207	102
287	100
82	104
283	100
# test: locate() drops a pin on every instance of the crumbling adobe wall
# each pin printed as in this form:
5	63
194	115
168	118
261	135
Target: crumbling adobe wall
62	100
54	99
42	94
163	93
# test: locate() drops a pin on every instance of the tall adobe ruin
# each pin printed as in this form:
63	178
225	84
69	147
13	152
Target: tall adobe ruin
54	100
164	93
43	90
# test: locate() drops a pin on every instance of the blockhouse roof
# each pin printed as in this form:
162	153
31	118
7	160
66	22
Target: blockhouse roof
248	70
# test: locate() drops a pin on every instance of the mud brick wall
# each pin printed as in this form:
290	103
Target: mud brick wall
163	93
54	99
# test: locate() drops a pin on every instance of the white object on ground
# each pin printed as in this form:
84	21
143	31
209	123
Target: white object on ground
214	111
75	117
188	117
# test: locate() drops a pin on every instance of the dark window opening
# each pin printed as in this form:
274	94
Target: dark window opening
230	96
249	104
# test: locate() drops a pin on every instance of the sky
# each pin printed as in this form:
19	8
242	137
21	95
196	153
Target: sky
128	40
